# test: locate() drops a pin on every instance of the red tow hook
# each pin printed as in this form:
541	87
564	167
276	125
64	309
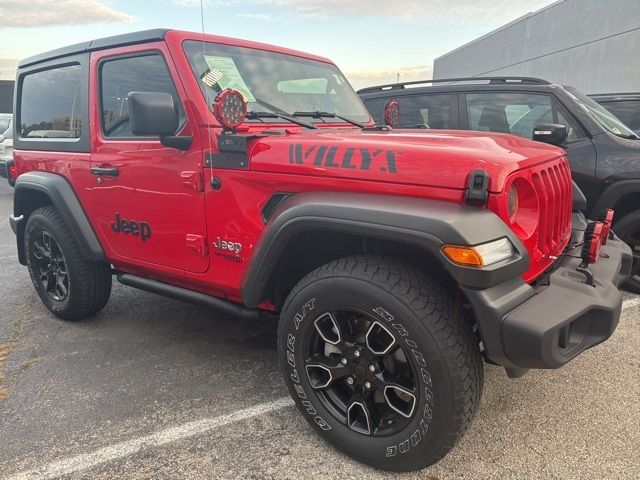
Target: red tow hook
592	243
606	217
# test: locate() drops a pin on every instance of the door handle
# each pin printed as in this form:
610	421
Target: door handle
109	171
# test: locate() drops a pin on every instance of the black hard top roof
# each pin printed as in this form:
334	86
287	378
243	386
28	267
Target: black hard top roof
133	38
612	97
454	82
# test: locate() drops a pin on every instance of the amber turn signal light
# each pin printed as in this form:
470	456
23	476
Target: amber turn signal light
463	255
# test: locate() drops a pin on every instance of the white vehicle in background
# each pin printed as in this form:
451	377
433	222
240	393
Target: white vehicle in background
6	142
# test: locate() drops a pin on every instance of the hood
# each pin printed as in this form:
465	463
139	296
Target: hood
431	158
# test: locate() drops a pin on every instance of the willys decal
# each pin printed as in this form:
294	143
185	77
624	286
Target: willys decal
340	157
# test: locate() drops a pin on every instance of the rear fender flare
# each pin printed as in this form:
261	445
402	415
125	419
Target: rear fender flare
61	195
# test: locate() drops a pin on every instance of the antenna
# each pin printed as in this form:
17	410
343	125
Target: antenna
206	94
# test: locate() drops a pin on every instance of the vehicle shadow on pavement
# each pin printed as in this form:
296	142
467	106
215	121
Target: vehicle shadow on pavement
147	363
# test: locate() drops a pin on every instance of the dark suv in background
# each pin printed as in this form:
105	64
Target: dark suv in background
625	106
603	152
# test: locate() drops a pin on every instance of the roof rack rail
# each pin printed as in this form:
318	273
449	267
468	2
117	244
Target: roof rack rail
402	85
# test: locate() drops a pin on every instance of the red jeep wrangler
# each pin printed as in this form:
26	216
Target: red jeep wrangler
251	179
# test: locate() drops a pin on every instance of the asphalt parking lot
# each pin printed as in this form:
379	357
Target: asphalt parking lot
155	388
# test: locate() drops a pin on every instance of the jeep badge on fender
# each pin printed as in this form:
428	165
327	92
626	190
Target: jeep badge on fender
220	244
131	227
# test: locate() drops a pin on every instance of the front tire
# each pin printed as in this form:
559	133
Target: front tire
68	284
381	361
628	229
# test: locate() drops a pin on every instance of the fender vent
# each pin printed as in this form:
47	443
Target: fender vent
271	205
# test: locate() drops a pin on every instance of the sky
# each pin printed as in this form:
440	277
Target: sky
370	40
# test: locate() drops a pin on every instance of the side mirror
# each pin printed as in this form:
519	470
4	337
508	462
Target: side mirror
153	113
551	133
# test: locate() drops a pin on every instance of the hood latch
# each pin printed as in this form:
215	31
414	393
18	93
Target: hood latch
478	186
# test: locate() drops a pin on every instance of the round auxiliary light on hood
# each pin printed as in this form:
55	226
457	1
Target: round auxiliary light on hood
230	108
392	114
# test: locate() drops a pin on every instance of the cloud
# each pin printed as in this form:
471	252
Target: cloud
461	10
364	79
256	16
8	68
40	13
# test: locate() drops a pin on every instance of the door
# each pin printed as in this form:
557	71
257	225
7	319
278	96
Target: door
148	199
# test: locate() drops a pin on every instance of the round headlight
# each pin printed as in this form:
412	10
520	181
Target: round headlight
513	203
522	208
230	108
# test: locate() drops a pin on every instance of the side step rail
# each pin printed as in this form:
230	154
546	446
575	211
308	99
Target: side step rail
189	296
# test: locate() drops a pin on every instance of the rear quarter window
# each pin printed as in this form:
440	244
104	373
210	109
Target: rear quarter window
51	103
375	106
416	111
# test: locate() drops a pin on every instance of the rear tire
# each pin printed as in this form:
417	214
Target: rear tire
68	284
628	229
434	356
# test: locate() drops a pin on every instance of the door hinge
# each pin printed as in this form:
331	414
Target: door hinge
477	190
198	244
193	180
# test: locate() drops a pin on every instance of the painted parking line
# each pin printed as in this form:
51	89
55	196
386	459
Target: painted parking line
117	451
120	450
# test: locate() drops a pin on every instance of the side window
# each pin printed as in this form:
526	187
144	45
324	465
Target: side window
51	102
573	131
431	111
513	112
376	108
119	77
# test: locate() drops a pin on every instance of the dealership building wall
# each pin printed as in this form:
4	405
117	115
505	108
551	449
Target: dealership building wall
6	96
592	45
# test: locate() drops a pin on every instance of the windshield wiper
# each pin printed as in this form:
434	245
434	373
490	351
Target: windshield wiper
629	136
319	114
284	116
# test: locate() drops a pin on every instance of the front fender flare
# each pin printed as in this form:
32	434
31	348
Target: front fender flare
428	224
613	193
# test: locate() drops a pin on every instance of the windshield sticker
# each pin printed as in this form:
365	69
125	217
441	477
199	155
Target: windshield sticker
229	76
211	78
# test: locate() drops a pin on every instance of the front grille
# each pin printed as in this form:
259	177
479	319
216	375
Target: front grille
552	183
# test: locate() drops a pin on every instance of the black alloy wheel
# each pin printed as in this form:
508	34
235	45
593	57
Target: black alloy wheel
50	267
360	372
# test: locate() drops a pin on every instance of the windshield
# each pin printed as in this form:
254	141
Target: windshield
274	82
603	116
626	110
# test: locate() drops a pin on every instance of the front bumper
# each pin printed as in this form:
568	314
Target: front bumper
548	324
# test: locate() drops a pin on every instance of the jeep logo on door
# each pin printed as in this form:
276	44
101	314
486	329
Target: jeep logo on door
132	227
349	158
